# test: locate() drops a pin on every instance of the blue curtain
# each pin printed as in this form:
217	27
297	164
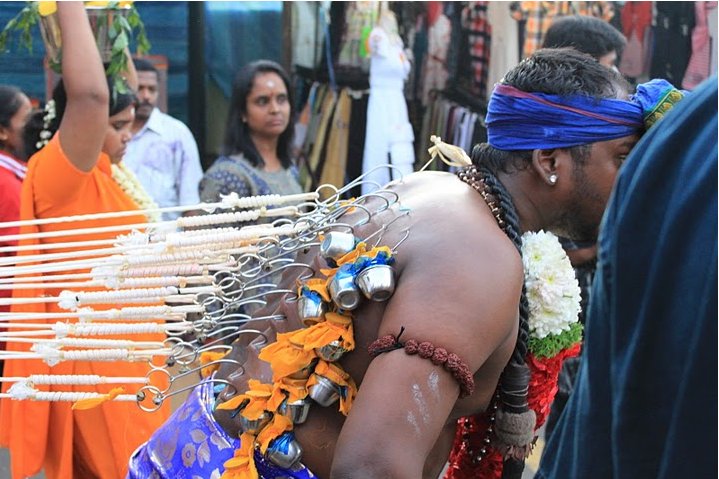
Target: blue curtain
237	33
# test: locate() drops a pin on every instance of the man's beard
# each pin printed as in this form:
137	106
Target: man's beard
141	108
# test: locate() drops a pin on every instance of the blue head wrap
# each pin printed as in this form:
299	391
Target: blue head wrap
517	120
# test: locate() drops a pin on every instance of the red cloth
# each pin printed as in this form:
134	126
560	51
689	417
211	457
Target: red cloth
700	61
636	18
11	176
542	389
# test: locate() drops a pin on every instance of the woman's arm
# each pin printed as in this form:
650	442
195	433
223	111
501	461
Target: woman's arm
85	121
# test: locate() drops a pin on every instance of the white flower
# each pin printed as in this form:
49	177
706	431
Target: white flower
552	289
132	187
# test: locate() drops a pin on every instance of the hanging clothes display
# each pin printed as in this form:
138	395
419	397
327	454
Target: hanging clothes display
673	26
636	26
334	165
505	43
453	122
538	16
699	67
389	137
435	72
479	36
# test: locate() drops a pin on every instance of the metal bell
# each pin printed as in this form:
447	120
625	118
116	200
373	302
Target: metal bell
296	411
376	282
337	244
311	310
343	290
331	352
253	426
325	392
284	451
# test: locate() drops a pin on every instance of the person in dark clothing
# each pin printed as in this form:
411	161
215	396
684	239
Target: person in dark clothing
646	396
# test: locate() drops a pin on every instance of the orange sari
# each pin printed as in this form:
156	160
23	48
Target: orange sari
95	442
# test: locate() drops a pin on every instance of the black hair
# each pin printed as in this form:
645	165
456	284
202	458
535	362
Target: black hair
237	136
587	34
119	100
10	101
561	72
144	65
554	71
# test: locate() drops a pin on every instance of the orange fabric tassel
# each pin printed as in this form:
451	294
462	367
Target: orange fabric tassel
242	464
206	358
286	357
335	327
337	375
257	397
273	430
319	286
90	403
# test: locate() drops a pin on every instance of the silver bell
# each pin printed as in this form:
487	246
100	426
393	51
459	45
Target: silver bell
337	244
324	392
311	310
331	352
253	426
376	282
343	291
284	451
296	411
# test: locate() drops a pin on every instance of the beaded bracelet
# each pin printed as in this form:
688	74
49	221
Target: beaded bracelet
427	350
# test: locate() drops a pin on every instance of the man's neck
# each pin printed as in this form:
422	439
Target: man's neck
520	188
138	124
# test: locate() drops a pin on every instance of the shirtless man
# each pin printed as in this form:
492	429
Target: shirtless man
459	281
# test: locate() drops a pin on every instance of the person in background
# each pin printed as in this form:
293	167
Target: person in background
595	37
86	132
255	157
162	152
589	35
15	109
645	403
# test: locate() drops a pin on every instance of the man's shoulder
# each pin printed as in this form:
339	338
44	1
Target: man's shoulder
165	124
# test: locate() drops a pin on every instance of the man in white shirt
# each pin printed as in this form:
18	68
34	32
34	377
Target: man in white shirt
162	153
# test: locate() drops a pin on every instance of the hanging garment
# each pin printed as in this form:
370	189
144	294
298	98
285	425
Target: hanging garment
389	136
674	22
505	43
636	23
538	16
698	69
435	65
335	161
479	34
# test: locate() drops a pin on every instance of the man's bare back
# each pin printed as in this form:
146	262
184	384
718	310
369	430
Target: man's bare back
478	270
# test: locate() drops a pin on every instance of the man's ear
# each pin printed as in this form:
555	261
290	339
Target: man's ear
4	134
546	164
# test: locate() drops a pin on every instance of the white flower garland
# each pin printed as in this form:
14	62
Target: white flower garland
132	187
552	289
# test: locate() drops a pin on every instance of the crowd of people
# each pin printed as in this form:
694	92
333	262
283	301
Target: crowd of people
453	373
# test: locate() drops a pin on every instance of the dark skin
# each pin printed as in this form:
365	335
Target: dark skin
459	280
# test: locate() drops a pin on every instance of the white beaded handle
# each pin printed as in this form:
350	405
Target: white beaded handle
81	379
21	391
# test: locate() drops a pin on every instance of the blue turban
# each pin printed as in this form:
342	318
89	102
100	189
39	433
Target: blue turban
518	120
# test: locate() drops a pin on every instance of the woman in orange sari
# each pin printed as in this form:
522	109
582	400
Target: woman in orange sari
72	175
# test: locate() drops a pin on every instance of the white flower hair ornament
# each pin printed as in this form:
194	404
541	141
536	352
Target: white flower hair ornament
45	133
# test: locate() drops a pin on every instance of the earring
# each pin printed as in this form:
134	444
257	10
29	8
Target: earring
553	178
